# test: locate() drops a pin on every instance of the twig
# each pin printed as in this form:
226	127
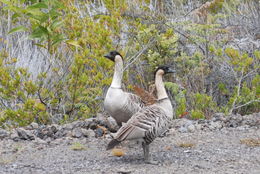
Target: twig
187	37
246	104
39	95
137	55
250	73
238	92
193	10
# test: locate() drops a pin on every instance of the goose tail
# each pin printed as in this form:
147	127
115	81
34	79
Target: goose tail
112	144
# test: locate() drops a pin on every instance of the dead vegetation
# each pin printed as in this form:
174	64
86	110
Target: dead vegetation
118	152
186	144
77	146
252	142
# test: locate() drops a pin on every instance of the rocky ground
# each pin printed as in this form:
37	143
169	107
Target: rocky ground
223	144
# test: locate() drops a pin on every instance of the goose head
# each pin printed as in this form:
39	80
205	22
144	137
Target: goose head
164	69
113	55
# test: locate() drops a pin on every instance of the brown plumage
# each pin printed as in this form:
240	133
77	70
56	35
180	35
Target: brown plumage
146	97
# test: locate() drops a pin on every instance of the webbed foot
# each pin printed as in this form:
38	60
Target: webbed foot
151	161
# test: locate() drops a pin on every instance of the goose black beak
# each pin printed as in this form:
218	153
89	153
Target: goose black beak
170	70
109	57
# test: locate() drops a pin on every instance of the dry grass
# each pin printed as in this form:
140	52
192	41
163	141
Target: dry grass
77	146
7	160
186	144
252	142
118	152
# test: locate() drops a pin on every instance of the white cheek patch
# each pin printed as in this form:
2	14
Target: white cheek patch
118	58
160	72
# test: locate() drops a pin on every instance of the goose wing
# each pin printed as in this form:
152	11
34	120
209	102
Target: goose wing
134	102
149	123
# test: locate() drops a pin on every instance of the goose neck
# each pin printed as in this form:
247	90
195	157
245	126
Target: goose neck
161	92
118	73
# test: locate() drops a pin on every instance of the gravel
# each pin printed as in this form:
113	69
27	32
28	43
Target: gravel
212	147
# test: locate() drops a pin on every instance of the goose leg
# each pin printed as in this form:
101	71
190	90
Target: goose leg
147	156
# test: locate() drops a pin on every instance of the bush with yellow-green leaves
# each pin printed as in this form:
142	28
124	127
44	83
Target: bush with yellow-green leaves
72	85
71	37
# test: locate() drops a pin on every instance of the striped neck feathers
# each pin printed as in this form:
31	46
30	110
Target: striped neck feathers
118	73
161	92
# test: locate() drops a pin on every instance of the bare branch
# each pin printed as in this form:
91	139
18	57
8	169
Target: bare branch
40	98
137	55
238	92
237	107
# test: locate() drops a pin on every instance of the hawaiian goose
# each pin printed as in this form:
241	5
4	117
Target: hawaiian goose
119	104
151	121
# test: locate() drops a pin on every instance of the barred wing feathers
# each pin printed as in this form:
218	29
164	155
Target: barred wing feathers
147	124
134	102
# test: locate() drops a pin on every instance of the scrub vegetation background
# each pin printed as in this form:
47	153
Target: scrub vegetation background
52	68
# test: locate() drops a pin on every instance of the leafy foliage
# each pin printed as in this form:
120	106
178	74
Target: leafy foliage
213	74
45	21
17	92
69	91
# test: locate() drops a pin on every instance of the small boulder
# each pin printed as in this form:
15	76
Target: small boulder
218	117
91	133
61	133
87	133
55	128
25	134
232	123
76	133
49	131
186	125
182	129
99	132
68	126
34	125
77	124
215	125
111	124
14	136
93	125
191	128
198	126
88	122
182	122
101	118
3	133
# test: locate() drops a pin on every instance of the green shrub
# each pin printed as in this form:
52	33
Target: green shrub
179	98
19	104
72	87
197	114
74	39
